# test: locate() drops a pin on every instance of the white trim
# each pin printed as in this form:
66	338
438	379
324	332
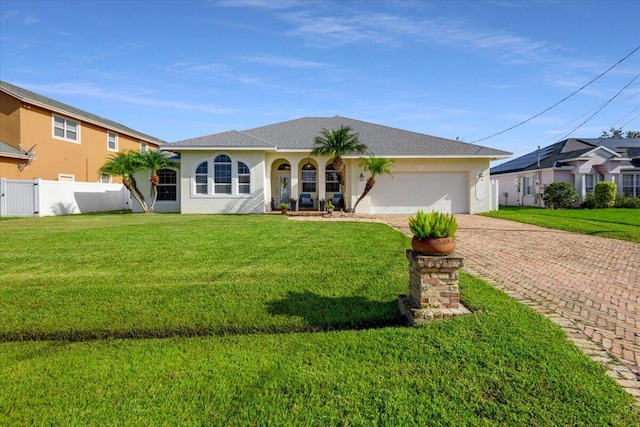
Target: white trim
115	140
67	177
64	138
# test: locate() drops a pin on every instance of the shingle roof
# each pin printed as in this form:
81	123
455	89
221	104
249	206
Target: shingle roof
554	155
34	98
299	135
11	151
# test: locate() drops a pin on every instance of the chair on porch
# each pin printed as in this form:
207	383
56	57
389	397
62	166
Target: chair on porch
337	200
306	201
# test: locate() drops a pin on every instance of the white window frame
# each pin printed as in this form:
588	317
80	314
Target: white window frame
65	129
115	141
171	184
635	184
206	182
590	188
144	147
243	185
529	190
331	173
221	185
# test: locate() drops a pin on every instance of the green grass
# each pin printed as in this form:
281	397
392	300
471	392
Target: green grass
265	322
622	224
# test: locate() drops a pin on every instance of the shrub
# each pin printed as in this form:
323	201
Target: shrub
605	194
433	224
560	195
588	202
624	201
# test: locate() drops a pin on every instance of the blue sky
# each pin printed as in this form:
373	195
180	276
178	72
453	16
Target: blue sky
454	69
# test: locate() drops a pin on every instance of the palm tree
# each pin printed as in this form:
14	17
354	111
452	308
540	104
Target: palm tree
154	161
376	166
336	143
126	164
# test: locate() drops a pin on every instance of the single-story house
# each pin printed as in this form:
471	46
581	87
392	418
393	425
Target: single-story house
582	162
252	170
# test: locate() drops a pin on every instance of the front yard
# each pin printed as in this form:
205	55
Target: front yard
256	320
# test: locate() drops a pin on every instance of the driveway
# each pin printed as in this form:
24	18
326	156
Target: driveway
588	285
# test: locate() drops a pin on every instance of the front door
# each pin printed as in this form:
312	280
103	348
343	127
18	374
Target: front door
284	188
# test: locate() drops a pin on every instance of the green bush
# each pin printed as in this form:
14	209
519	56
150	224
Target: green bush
588	202
624	201
560	195
605	194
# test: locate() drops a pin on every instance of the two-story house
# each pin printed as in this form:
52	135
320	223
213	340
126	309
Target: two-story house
44	138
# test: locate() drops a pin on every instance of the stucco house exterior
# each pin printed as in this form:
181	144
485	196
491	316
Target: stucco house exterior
44	138
582	162
249	171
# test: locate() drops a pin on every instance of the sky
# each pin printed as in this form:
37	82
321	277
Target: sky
463	70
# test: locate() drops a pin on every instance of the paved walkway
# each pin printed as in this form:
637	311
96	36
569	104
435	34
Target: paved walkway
589	286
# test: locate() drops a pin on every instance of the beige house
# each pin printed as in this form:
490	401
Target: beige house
252	171
44	138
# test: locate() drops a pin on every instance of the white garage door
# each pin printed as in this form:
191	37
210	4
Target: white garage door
405	193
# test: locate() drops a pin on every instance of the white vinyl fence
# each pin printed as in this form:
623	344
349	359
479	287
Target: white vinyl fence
45	198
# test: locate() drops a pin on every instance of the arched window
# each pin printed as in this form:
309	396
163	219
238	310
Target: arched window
244	179
202	177
308	178
331	180
168	186
222	174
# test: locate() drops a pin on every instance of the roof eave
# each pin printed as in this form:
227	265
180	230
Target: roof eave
67	113
169	147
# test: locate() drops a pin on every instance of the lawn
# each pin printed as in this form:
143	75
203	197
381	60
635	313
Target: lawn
256	320
622	224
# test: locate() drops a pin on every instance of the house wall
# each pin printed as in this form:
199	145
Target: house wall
26	125
191	202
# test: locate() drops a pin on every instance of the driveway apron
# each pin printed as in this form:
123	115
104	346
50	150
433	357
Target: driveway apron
588	285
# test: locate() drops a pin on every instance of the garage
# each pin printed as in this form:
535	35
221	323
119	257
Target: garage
406	193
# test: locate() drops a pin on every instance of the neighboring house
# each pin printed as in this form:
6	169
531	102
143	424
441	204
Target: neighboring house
251	170
582	162
44	138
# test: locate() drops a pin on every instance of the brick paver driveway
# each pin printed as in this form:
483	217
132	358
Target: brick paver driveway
588	285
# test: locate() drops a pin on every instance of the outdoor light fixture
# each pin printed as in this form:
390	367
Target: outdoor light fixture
361	176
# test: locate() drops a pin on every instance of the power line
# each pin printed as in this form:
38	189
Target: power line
561	101
600	109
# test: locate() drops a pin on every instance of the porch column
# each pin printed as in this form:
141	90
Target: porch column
321	182
295	191
579	184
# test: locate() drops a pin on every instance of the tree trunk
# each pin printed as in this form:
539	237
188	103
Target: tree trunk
137	194
370	183
338	165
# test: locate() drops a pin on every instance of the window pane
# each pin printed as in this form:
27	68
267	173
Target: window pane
72	135
244	189
222	159
243	169
58	132
308	187
244	179
202	168
223	188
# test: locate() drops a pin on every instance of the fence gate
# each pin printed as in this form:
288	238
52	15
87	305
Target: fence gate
18	197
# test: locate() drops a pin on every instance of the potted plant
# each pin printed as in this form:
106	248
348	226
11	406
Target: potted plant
292	202
330	206
283	208
433	233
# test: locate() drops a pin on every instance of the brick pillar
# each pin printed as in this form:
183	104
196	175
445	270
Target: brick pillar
433	288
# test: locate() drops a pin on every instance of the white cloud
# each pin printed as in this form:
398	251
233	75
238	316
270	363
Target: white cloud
20	17
282	61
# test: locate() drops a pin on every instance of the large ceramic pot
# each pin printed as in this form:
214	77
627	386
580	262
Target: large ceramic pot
434	245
